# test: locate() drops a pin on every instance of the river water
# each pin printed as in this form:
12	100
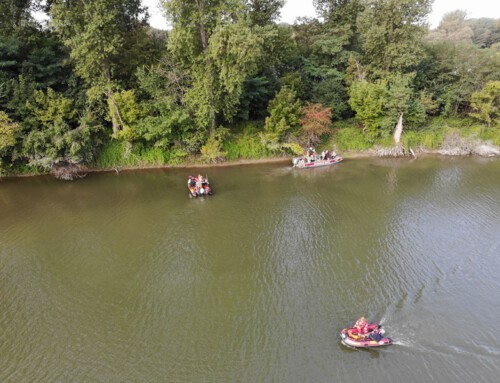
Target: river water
124	278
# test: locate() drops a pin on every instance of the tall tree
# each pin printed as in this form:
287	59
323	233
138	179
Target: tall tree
96	32
368	100
455	71
392	32
486	32
453	27
330	45
263	12
283	121
14	13
219	50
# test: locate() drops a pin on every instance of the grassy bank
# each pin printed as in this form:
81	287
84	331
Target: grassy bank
243	145
435	135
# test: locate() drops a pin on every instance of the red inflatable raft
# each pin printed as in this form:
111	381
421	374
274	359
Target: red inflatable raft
364	335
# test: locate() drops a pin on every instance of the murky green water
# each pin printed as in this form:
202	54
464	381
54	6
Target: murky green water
123	278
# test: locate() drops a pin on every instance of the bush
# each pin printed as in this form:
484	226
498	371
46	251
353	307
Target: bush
247	146
245	142
491	134
122	153
112	154
351	138
427	139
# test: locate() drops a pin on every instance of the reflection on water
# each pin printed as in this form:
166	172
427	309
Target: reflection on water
124	278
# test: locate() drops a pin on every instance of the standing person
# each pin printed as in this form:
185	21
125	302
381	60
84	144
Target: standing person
199	182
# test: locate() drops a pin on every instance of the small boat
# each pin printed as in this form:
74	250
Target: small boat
199	186
312	160
371	335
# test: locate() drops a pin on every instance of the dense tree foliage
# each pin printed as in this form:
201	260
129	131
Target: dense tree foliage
96	81
487	103
283	122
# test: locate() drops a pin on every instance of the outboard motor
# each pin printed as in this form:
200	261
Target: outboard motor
376	336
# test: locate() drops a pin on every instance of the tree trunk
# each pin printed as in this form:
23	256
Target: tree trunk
203	33
398	131
117	125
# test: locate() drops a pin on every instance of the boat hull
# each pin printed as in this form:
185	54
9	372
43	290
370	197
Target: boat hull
362	342
194	193
301	164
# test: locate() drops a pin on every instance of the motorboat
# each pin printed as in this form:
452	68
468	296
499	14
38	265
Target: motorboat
199	186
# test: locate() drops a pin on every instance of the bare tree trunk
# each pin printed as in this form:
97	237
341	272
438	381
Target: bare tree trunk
398	150
398	131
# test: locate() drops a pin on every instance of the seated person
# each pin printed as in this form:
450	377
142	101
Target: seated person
362	326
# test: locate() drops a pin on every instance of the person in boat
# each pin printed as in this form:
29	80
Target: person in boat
362	326
311	155
360	330
199	182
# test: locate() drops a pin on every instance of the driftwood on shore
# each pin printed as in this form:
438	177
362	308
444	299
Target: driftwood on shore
68	171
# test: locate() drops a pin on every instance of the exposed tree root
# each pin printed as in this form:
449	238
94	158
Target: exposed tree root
67	171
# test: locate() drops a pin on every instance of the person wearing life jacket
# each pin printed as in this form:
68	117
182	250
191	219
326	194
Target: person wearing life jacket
362	326
199	181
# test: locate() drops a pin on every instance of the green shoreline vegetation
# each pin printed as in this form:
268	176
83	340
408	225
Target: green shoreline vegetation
97	88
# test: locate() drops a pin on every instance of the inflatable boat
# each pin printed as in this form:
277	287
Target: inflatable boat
364	334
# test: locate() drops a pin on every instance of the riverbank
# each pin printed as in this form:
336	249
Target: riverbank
486	151
80	171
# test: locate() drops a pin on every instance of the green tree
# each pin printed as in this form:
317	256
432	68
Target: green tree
392	33
368	100
96	33
453	72
167	123
453	28
60	135
219	50
131	113
14	14
399	94
326	48
486	32
283	122
9	131
340	31
486	103
263	12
